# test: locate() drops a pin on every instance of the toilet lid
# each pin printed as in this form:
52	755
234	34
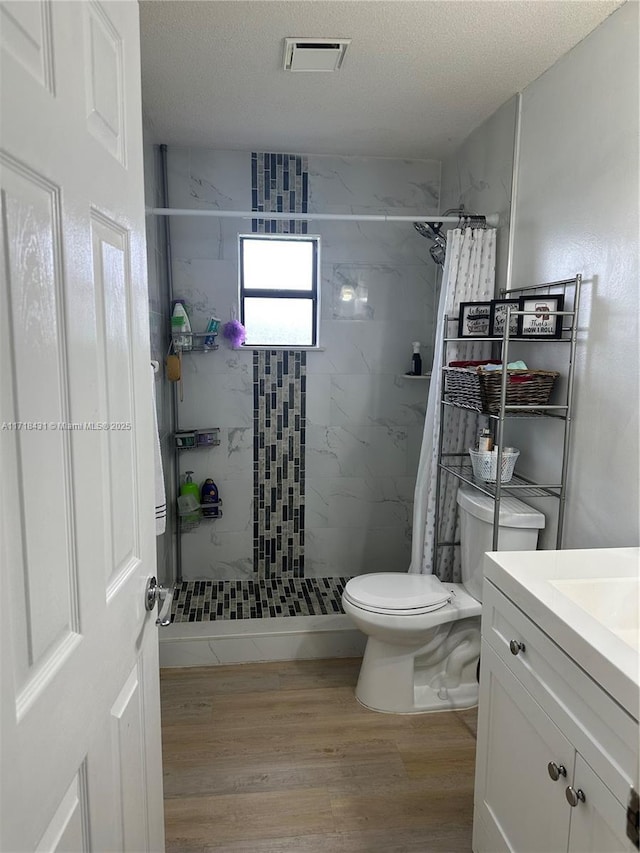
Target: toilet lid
390	592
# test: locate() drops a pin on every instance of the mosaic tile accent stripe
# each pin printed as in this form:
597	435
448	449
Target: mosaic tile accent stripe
205	601
279	183
279	419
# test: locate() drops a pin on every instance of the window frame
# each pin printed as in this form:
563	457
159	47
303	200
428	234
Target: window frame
312	295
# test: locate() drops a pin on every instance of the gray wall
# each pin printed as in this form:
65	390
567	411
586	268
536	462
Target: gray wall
479	176
576	210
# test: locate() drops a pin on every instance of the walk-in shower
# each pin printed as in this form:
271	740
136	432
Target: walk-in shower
318	447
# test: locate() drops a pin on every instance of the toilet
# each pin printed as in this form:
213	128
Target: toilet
423	635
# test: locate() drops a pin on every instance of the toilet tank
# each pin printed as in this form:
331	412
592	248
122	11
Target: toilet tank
518	531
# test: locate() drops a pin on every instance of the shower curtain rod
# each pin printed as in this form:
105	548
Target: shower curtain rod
491	219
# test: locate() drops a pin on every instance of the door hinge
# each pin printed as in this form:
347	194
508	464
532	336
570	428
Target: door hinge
633	818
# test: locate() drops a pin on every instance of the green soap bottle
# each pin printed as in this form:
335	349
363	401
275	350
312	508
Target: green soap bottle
191	488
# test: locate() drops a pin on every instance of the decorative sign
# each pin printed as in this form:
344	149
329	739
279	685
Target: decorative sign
540	321
498	317
474	318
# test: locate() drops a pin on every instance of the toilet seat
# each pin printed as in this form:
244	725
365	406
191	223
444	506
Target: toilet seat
397	593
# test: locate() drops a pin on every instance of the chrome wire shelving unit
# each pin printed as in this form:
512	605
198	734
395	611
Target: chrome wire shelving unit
457	463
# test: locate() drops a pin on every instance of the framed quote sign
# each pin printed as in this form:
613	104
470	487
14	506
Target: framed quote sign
540	322
498	317
473	320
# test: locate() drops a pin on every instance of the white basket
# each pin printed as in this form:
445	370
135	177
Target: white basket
485	464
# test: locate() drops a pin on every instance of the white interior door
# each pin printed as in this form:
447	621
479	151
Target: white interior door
81	760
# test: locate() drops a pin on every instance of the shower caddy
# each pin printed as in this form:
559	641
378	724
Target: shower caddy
458	464
195	439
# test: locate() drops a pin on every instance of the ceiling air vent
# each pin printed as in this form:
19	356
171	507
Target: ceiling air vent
314	54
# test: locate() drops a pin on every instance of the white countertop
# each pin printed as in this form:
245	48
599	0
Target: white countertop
601	633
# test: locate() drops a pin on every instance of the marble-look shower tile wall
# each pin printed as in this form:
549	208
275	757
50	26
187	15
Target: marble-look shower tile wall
364	420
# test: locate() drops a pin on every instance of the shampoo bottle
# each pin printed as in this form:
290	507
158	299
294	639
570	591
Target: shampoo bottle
210	499
191	488
416	360
213	326
181	327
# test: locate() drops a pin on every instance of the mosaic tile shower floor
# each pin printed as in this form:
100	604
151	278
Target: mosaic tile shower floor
205	601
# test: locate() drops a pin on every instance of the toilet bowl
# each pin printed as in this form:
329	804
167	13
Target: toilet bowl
423	635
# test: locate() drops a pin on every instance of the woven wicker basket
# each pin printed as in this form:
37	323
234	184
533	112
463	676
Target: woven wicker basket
475	388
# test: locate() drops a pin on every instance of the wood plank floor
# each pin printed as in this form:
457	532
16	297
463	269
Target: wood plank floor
280	757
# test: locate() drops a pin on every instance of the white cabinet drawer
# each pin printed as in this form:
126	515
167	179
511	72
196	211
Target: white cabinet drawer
575	702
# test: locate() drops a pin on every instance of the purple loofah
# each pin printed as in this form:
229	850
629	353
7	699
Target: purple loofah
234	332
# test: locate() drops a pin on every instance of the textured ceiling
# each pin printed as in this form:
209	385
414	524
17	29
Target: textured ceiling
418	77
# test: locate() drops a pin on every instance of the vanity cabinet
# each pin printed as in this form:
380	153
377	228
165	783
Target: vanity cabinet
556	754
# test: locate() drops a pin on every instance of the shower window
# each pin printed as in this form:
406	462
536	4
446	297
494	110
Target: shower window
279	290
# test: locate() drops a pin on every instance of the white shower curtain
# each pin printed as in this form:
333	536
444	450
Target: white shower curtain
468	276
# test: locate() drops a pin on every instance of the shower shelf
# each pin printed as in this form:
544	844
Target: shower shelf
188	523
518	485
523	412
198	342
197	439
409	376
517	340
201	446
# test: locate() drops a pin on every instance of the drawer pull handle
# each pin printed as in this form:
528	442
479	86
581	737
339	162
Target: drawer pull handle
574	797
516	647
556	770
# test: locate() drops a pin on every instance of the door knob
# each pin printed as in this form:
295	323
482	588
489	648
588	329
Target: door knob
515	647
574	797
154	593
556	770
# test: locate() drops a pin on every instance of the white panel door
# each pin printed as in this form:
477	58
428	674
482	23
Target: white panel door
80	726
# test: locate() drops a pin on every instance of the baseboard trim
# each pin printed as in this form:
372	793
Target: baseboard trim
254	640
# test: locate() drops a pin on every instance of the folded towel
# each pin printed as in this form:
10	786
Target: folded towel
161	499
513	365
